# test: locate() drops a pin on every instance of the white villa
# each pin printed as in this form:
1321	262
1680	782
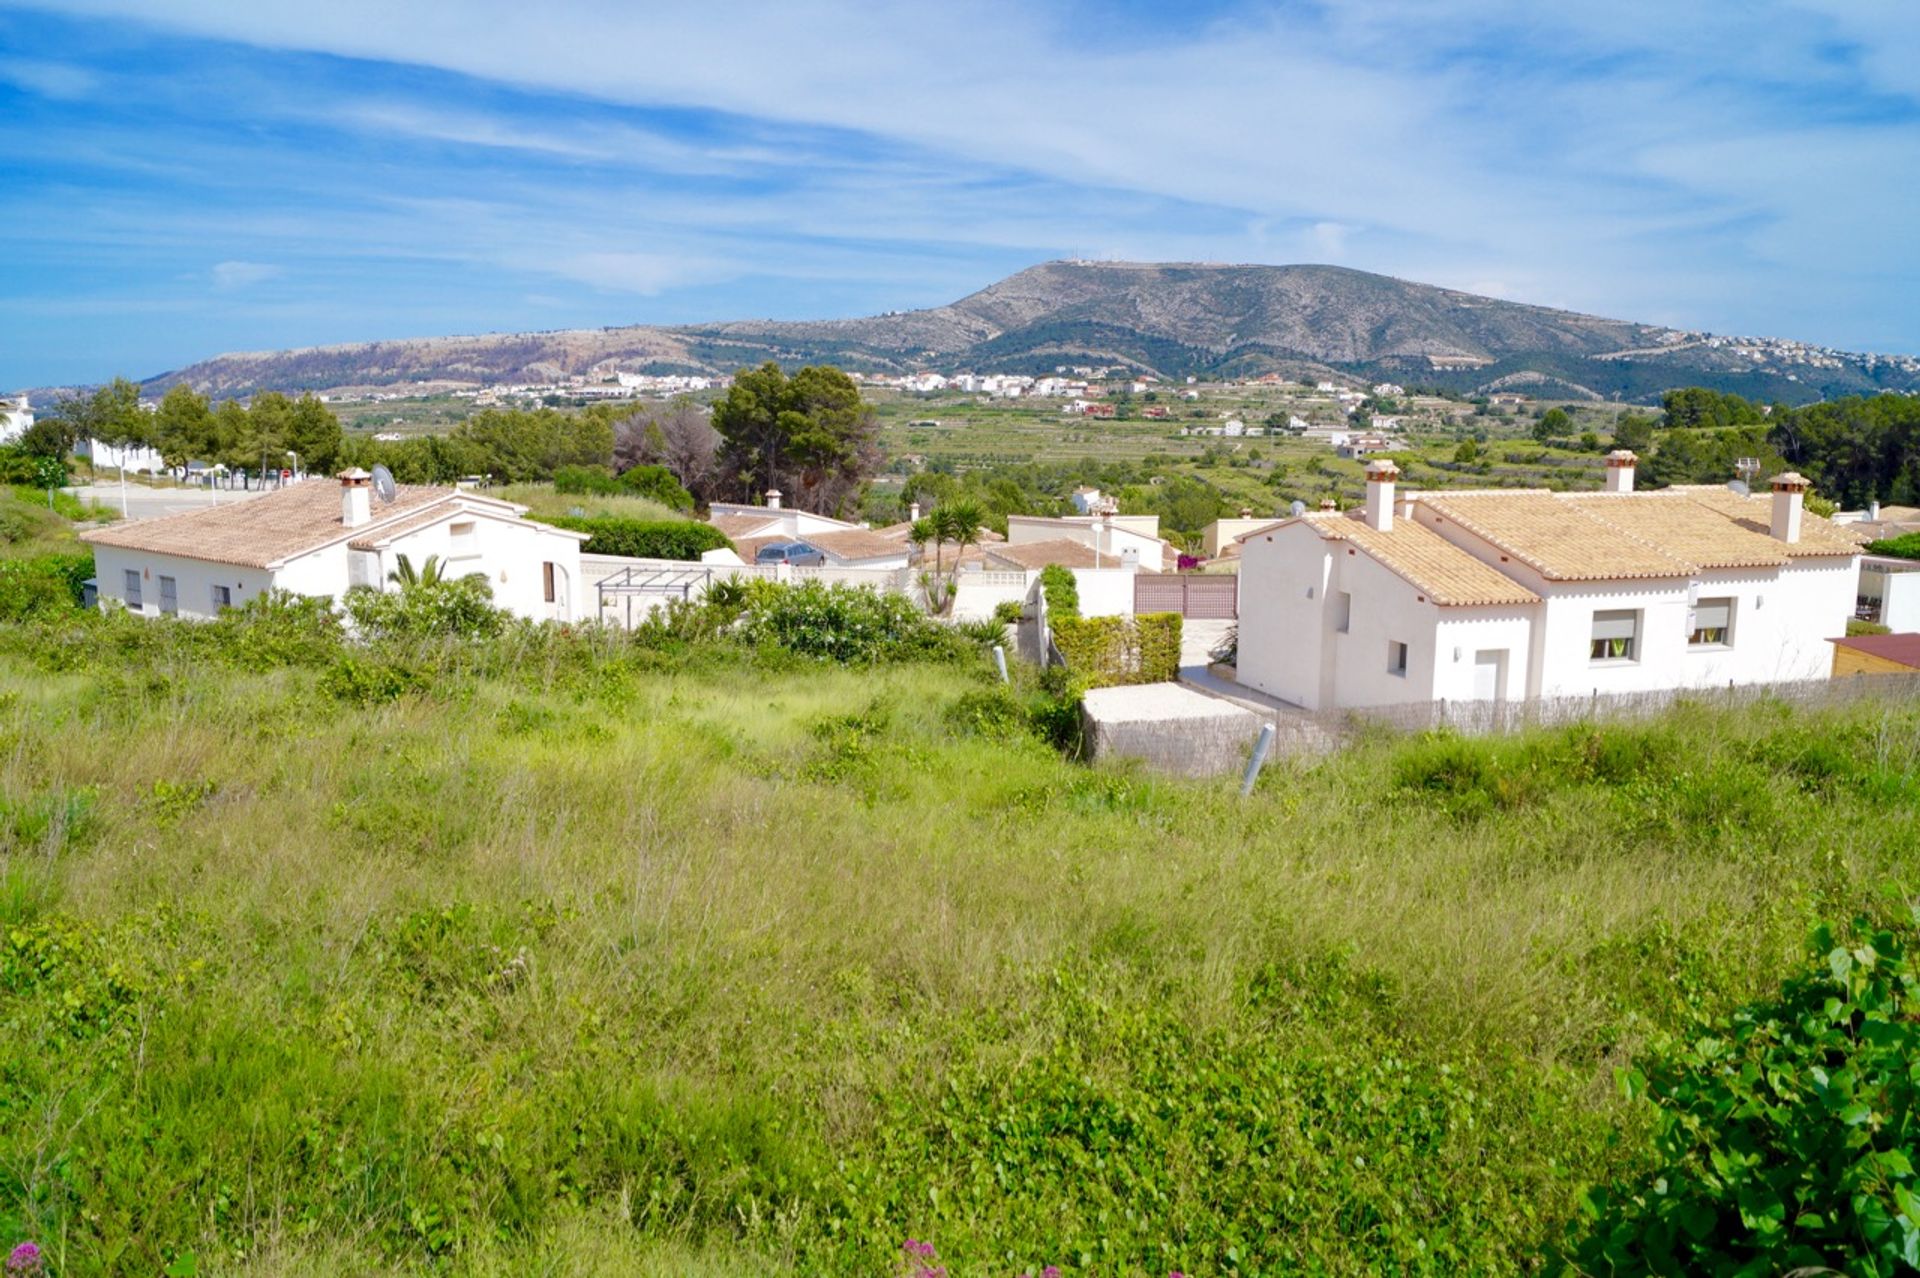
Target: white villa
320	538
1497	595
16	416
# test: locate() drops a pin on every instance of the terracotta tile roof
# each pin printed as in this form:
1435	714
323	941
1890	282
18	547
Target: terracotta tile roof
1903	648
1554	536
734	527
261	532
1818	536
1038	554
1688	529
855	543
388	531
1447	574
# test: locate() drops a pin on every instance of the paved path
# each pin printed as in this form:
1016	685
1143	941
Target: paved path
144	503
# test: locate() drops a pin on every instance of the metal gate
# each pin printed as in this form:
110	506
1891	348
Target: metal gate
1210	596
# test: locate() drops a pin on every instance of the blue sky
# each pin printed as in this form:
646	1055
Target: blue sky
184	177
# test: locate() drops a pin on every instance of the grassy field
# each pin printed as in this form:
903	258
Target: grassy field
602	958
543	499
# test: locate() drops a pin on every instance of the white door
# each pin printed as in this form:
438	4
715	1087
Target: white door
1490	674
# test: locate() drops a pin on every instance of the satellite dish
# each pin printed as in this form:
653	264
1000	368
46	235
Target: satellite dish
1298	509
383	483
1739	486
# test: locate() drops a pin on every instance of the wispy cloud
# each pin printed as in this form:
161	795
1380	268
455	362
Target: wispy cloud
238	275
692	161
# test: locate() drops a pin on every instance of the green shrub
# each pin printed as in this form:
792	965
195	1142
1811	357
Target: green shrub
1784	1134
841	623
458	607
1117	650
1007	611
658	484
1061	590
588	481
642	538
46	586
1905	546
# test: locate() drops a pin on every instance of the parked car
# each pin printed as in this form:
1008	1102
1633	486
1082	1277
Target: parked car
788	552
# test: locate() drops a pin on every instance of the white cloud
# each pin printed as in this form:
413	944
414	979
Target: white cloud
60	81
239	275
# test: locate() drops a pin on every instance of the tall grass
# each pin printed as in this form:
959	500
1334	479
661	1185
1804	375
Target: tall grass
753	970
542	499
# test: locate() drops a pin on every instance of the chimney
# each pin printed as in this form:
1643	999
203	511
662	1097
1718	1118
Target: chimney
1380	476
1620	464
913	513
773	499
356	497
1789	499
1873	512
1246	512
1327	503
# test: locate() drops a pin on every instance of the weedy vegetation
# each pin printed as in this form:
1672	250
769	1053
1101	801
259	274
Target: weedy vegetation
778	933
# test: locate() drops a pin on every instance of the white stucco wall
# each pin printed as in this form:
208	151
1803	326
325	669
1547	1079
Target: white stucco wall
1900	602
1105	592
194	579
1465	633
1284	578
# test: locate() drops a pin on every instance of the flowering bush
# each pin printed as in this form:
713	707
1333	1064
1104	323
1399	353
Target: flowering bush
25	1261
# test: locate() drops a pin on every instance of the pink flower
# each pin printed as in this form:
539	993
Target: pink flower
25	1260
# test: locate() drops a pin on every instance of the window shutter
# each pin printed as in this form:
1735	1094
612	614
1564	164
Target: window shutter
1713	614
1613	625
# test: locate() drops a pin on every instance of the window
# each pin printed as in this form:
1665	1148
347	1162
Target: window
546	582
222	598
1396	658
363	568
169	597
133	588
1616	635
465	540
1343	611
1712	624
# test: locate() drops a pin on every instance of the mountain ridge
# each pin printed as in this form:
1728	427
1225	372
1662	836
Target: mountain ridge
1171	319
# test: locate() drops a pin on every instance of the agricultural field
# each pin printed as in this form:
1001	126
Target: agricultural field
564	953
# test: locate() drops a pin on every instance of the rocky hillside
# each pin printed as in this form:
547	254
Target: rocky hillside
1168	319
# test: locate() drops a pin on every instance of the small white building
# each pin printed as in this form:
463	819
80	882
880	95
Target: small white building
321	538
1518	594
16	416
1131	541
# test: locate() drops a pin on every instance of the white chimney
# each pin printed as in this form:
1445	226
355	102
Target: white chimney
913	513
1620	464
773	499
1873	512
1789	500
356	497
1380	476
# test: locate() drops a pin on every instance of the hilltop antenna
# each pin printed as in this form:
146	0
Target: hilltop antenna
383	484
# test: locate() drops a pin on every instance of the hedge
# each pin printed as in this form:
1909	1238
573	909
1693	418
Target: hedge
1062	591
1103	651
1905	546
643	538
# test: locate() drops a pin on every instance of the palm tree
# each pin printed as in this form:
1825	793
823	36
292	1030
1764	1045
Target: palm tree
927	530
406	576
960	524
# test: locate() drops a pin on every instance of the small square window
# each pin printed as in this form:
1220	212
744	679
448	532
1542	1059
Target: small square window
1396	657
1712	624
465	538
1616	635
1343	611
222	598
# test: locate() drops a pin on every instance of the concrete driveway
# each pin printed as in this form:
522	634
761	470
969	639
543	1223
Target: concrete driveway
144	503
